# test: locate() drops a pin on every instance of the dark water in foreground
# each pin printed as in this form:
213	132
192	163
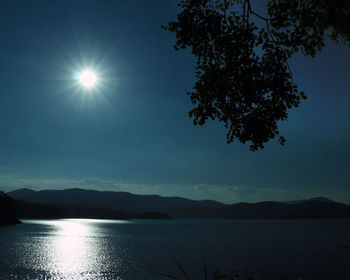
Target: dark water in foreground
105	249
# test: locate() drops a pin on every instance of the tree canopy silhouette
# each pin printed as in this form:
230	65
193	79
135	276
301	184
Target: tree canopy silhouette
243	76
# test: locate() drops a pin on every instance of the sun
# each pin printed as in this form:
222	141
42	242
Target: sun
87	78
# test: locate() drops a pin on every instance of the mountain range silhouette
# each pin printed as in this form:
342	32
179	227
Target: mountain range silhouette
109	204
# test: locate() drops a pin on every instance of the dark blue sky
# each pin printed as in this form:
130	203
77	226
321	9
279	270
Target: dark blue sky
133	133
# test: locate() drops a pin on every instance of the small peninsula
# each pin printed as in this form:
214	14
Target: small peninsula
7	210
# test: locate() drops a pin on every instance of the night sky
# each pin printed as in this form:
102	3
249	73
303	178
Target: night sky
132	132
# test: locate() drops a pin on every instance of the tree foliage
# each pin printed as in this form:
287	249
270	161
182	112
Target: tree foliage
243	76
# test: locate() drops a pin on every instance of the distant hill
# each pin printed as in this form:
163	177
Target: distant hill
271	210
315	208
7	210
27	209
107	199
319	199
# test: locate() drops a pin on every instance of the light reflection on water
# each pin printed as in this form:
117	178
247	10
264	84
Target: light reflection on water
71	249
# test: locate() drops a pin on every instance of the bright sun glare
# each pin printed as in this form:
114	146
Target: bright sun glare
87	78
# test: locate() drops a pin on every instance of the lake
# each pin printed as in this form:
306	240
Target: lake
144	249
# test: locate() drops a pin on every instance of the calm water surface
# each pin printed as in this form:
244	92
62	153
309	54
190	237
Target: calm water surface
122	250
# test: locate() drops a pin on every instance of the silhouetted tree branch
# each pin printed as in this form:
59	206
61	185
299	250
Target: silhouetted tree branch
243	76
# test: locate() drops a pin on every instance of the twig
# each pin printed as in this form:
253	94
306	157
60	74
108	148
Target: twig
181	268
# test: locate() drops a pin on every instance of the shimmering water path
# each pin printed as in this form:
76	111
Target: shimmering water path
136	250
